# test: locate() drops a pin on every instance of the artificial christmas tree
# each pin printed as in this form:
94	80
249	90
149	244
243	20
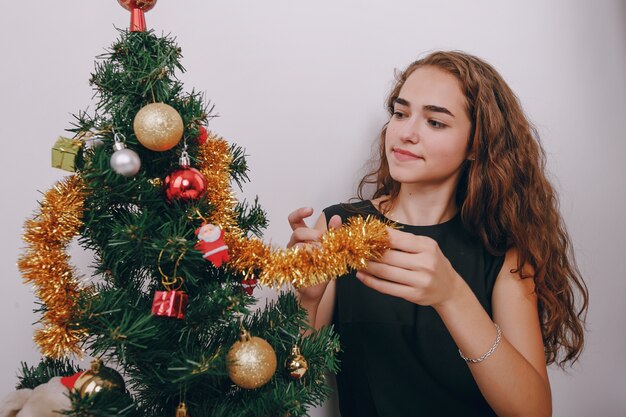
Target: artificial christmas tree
151	198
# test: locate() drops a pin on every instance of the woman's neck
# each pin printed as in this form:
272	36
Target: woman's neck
422	206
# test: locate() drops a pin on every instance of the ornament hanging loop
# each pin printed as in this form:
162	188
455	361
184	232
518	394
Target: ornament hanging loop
168	282
242	329
95	366
184	160
244	335
120	141
295	350
200	216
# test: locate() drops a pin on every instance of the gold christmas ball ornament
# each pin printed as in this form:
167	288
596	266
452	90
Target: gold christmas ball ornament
158	127
296	364
251	361
99	377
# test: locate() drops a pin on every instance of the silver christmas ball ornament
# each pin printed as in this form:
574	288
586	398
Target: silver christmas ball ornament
124	161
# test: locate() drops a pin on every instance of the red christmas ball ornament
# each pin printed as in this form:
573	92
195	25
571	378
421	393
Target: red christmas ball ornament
203	135
185	184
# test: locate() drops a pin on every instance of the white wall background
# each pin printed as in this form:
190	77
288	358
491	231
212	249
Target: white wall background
301	86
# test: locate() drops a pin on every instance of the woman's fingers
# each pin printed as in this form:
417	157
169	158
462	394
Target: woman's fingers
392	273
408	242
302	234
334	222
306	245
383	286
296	218
406	260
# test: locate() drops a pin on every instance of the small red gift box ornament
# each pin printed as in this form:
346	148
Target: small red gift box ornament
170	304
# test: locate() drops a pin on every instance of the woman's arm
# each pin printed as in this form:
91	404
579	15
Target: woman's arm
513	379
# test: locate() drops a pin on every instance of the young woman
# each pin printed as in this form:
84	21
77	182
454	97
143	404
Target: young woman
479	291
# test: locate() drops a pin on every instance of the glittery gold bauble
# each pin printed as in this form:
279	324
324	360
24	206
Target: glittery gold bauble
296	364
99	377
251	361
158	126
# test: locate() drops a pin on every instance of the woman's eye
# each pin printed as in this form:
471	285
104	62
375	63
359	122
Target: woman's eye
436	124
398	115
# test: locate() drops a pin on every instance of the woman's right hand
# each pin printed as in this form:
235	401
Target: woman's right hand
304	236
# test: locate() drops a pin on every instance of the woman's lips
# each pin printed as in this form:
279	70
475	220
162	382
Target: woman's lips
404	155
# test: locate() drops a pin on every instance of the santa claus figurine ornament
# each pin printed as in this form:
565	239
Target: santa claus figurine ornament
211	244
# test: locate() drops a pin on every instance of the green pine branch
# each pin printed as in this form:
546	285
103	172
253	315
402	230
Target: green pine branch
48	368
251	217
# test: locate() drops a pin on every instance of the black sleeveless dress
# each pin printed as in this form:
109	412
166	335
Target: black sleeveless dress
398	359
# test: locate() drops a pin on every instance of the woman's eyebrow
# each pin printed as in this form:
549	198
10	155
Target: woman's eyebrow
427	107
401	101
438	109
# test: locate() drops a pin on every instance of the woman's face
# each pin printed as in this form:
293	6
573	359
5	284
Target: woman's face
427	136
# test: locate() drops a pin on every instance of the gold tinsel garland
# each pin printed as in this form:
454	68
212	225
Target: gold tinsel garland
350	246
45	264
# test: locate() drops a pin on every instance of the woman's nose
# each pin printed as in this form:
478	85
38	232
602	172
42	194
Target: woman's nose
410	132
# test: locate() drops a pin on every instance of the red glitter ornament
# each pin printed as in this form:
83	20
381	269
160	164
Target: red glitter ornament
185	184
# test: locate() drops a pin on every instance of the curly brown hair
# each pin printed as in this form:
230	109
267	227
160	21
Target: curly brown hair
505	198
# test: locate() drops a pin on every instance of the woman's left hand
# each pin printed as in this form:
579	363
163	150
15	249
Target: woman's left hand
415	269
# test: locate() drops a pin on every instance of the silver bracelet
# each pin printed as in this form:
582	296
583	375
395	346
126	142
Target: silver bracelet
489	352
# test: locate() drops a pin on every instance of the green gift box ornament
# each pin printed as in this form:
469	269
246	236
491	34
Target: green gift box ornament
65	153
